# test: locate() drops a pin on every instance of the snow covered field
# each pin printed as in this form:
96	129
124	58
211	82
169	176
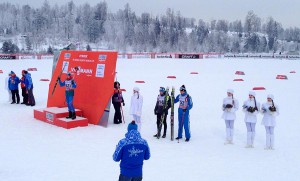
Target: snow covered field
32	150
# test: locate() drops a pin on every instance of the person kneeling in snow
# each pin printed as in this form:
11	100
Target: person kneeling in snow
70	86
132	151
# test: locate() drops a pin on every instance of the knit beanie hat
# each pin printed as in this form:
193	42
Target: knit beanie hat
132	126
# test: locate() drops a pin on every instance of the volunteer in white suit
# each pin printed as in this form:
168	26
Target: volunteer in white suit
251	108
136	107
229	107
270	111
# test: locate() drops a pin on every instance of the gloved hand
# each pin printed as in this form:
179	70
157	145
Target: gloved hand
251	109
184	110
72	82
165	111
123	103
58	78
228	106
155	112
272	108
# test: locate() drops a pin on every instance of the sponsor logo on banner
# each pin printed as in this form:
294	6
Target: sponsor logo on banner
49	117
67	55
100	70
8	57
83	56
189	56
102	58
163	56
26	57
47	57
82	70
65	67
141	56
294	56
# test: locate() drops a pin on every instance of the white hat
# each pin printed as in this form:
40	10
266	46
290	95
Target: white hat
231	91
252	93
270	96
136	89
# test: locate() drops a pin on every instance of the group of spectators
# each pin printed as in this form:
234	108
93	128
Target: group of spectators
26	86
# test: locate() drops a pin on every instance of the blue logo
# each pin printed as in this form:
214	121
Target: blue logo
67	55
102	57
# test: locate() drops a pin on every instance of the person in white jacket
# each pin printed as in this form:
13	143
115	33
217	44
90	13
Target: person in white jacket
136	107
229	107
270	112
251	108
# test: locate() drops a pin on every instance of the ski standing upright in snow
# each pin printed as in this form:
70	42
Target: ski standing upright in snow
172	112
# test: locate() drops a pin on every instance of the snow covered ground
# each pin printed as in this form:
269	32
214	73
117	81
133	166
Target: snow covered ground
32	150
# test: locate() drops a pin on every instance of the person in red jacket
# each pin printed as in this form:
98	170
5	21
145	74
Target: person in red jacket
24	92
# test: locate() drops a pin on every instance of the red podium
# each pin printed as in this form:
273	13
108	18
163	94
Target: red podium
57	116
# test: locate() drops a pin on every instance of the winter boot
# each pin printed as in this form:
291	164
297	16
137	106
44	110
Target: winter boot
73	115
164	135
249	137
268	140
272	142
70	115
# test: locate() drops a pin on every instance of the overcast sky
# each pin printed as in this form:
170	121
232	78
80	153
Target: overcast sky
287	12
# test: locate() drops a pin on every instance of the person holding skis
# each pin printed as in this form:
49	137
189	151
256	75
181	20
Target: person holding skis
229	107
251	108
162	106
185	105
136	105
23	87
29	88
131	151
117	101
270	112
13	85
70	86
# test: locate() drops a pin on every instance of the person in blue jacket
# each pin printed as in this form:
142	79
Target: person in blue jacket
29	88
132	151
70	86
13	86
185	104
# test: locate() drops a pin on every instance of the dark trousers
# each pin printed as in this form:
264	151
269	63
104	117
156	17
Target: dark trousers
14	94
158	122
118	115
31	99
124	178
24	95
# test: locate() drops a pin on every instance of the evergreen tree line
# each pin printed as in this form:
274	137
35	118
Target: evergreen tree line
127	32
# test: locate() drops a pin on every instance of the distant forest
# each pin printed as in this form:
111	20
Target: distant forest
127	32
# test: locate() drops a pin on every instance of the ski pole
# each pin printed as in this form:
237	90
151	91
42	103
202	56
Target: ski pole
57	79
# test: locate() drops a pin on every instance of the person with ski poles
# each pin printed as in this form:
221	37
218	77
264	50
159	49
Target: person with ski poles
251	108
185	105
162	106
117	101
136	106
229	107
270	112
70	86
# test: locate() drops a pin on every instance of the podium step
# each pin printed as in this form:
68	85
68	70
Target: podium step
57	116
